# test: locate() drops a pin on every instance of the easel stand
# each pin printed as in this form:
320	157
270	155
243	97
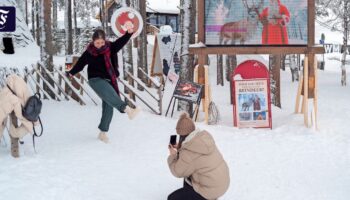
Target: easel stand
193	114
307	89
198	72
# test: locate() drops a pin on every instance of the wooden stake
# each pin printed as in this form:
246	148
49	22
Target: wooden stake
305	97
206	97
316	95
297	102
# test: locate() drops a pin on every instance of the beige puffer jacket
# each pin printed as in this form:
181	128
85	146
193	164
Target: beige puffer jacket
12	103
200	160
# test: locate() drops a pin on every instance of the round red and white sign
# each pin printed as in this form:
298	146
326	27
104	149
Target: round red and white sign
123	15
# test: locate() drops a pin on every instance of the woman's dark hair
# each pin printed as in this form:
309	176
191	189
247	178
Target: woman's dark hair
182	139
99	34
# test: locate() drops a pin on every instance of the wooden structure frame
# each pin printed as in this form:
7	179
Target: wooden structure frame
310	50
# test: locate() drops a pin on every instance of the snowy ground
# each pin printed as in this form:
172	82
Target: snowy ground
287	163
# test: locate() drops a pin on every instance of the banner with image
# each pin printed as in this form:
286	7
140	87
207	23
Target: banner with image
256	22
252	103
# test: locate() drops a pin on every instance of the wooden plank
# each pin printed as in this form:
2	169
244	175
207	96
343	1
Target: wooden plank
195	74
255	50
311	23
81	86
305	97
39	88
49	85
316	95
138	96
157	85
206	98
74	90
142	85
60	89
154	56
297	101
201	20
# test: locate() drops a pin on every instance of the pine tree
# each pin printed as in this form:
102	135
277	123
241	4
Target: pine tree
46	41
127	56
68	27
188	19
340	21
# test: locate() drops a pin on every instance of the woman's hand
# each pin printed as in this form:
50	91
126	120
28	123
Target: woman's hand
172	150
129	27
69	76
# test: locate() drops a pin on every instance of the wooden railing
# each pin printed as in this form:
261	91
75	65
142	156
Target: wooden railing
54	85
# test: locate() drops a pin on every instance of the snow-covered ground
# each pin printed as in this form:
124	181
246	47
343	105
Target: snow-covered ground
287	162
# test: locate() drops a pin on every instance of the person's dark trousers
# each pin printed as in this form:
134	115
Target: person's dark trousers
110	100
185	193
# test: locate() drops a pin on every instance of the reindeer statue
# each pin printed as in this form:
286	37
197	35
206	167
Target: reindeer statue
244	29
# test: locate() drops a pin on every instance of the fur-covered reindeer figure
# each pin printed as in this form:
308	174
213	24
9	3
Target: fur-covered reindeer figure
244	29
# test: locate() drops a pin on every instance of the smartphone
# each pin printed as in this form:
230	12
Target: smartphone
173	139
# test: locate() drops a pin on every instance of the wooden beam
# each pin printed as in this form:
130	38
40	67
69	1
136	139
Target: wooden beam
316	95
311	23
201	18
306	91
256	50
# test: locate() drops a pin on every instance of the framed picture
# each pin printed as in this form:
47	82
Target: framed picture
188	91
252	103
256	22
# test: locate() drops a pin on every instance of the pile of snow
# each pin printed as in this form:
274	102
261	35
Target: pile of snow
163	6
23	57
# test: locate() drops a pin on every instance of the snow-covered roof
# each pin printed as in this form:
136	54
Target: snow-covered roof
23	57
163	6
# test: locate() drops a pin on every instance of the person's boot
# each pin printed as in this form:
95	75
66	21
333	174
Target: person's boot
132	113
14	147
103	137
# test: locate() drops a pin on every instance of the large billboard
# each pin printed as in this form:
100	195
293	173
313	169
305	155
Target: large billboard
256	22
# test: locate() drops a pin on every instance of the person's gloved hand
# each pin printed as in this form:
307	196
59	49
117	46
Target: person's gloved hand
68	75
117	73
285	20
172	149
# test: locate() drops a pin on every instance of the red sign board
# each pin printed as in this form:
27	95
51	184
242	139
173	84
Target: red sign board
251	95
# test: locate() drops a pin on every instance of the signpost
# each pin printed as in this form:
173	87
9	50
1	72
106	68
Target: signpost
123	15
187	91
251	95
234	40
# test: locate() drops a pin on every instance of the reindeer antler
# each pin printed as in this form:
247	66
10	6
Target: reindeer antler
245	3
260	5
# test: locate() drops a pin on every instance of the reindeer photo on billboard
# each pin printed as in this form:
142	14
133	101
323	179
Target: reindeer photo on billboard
274	19
242	30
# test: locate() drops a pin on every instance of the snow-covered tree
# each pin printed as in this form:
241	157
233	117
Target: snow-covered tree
84	11
68	27
127	56
337	15
46	40
274	68
22	36
188	19
140	6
